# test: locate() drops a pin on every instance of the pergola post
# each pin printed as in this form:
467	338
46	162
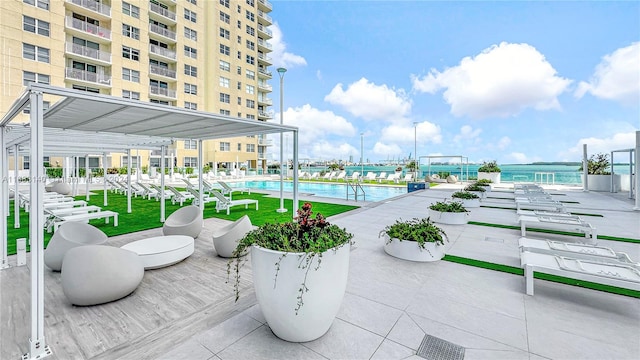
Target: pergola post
585	169
86	176
637	172
129	181
104	175
163	149
295	173
4	213
16	194
200	192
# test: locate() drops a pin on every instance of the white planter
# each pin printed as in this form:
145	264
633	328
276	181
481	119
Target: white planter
487	188
278	292
494	176
448	217
409	250
480	194
469	203
603	182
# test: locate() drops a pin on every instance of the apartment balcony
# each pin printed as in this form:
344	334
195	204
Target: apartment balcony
97	33
165	33
264	58
164	13
162	71
162	52
83	52
262	155
264	5
265	87
264	72
97	8
84	76
265	32
264	45
266	18
265	142
265	101
158	91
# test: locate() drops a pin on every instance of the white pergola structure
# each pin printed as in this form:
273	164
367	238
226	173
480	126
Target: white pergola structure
81	121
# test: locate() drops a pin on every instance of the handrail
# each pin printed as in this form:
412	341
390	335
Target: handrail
355	186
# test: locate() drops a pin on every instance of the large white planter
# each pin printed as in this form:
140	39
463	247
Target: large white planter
493	176
448	217
409	250
480	194
603	182
469	203
278	291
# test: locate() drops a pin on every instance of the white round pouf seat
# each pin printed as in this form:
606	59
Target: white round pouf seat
160	251
97	274
69	235
184	221
61	188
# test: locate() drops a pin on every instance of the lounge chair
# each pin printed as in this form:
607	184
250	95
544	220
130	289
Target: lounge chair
623	276
564	223
179	196
540	204
576	251
226	204
328	175
167	194
382	176
196	197
148	192
226	238
85	217
407	178
314	176
355	176
341	175
188	183
229	190
371	176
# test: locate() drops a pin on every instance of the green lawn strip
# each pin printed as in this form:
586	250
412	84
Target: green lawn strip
558	232
510	208
145	214
542	276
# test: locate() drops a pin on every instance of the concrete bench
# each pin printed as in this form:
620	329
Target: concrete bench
88	216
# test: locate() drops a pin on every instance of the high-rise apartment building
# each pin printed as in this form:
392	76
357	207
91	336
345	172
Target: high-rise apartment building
208	55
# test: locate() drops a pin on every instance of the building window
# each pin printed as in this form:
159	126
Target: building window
250	89
250	16
225	18
133	95
251	74
225	66
86	88
25	162
239	147
239	100
130	31
224	3
162	102
130	53
225	146
239	24
190	34
190	105
33	52
130	10
194	2
251	60
250	3
239	39
251	104
225	112
29	77
224	33
239	70
251	45
45	107
130	75
225	98
251	116
35	26
239	86
191	144
250	30
190	70
224	49
42	4
190	15
191	89
239	55
251	148
190	52
224	82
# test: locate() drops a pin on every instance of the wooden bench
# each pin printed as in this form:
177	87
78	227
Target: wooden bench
88	216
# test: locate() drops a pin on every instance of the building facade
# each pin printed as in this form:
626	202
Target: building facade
206	55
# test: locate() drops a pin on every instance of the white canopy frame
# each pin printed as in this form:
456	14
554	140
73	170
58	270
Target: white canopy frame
95	115
462	158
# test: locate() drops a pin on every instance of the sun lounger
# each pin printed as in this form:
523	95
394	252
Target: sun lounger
562	223
371	176
407	178
226	204
88	216
179	196
314	176
382	176
196	197
158	190
341	175
623	276
66	204
546	213
539	204
229	190
189	183
53	215
576	251
354	177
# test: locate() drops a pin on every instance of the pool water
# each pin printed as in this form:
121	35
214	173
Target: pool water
338	191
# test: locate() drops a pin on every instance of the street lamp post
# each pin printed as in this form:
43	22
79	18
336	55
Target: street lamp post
362	154
415	150
282	209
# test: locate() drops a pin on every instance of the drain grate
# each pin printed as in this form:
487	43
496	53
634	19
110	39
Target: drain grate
433	348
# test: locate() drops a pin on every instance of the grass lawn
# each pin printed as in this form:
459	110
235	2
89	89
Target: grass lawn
145	214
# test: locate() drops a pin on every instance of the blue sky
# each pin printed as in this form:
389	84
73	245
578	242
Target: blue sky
514	81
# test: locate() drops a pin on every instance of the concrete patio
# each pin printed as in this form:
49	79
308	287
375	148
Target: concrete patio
389	307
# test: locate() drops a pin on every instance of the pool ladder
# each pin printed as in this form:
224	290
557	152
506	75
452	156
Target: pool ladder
356	188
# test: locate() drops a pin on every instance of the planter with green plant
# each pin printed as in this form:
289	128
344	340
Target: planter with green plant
299	273
477	189
468	199
486	183
490	171
599	176
414	240
448	212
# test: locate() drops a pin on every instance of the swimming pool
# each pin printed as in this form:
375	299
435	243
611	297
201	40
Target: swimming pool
338	191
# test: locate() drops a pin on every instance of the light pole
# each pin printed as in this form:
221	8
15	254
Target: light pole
415	150
281	72
362	154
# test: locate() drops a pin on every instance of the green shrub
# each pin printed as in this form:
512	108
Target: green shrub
419	230
489	167
597	165
452	206
464	195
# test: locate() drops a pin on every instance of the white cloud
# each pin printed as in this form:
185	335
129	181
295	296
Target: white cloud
521	158
317	124
325	150
595	145
503	142
425	132
384	150
370	101
468	134
617	77
279	54
501	81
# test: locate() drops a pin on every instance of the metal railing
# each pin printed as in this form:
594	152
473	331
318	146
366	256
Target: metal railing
93	6
87	76
266	3
89	28
265	101
162	31
162	71
265	43
265	30
162	11
264	72
157	90
158	50
264	86
264	15
88	52
356	188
